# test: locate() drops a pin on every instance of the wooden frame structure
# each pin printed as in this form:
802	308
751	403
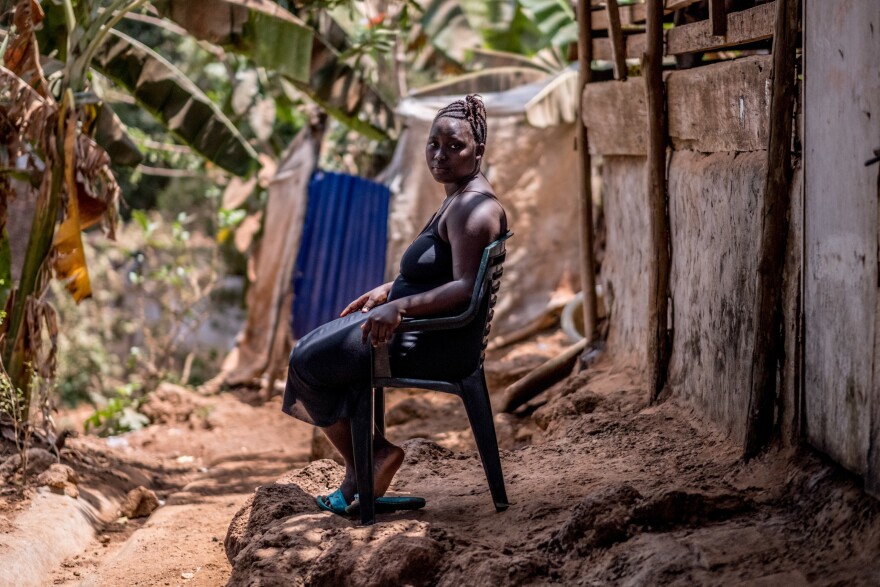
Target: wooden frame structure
659	123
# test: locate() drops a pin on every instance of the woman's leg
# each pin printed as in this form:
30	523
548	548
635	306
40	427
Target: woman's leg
387	458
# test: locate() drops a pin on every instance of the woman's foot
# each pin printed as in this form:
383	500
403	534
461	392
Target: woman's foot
387	459
386	462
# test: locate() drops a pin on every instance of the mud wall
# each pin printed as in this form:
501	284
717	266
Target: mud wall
714	214
718	120
625	268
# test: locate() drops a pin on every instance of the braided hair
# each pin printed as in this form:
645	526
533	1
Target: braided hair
470	109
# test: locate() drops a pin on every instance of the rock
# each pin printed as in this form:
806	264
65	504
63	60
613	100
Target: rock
139	503
498	569
319	549
585	401
323	449
60	479
505	431
677	507
173	404
411	408
38	460
280	537
555	410
421	450
293	493
600	520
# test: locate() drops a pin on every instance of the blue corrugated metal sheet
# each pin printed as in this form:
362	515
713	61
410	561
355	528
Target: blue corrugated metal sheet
342	251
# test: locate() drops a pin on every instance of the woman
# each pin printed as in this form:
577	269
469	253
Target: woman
331	364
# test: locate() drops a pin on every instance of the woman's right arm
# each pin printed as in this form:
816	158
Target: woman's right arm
369	300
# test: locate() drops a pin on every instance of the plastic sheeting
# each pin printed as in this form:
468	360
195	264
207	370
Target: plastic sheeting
342	252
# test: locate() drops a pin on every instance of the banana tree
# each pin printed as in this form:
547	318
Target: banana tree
47	120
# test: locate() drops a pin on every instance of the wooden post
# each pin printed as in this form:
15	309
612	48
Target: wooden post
618	47
585	174
718	17
774	233
658	285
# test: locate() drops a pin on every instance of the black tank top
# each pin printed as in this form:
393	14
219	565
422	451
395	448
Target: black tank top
427	262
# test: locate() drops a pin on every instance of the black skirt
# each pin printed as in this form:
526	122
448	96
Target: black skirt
330	365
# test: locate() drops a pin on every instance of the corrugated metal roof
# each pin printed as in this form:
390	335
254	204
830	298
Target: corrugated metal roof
342	251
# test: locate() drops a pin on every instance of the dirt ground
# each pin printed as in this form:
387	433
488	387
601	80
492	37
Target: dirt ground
604	490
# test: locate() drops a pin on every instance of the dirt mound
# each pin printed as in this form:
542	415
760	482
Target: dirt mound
280	537
173	404
615	492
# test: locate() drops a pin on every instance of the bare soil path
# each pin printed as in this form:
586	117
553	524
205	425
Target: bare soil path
604	490
217	457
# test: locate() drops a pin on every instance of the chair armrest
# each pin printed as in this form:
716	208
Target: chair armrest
469	313
443	323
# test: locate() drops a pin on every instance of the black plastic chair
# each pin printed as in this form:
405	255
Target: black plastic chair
369	413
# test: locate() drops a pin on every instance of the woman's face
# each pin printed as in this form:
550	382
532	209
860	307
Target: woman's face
452	153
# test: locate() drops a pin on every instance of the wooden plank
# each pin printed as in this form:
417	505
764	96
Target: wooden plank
720	107
655	177
746	26
585	178
633	14
616	117
673	5
768	347
841	128
718	17
635	47
617	43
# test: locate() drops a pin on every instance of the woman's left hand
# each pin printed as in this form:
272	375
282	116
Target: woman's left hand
381	323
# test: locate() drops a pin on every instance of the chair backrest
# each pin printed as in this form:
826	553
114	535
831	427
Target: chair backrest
489	282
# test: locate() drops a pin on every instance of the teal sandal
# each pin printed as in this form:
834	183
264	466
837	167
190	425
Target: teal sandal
335	503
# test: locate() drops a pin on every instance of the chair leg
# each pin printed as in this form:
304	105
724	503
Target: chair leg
379	409
475	395
362	443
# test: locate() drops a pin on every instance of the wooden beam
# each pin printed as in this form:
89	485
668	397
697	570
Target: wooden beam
673	5
629	15
746	26
618	49
635	46
585	175
616	117
723	106
655	177
549	373
718	17
768	345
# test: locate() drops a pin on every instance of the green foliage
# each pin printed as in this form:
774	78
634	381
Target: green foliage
119	414
555	19
162	89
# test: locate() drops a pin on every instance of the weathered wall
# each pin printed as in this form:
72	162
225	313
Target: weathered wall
714	209
841	128
625	268
718	120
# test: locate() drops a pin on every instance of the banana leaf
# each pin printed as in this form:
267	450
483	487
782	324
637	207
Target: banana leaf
493	15
555	19
446	25
176	101
556	103
278	41
111	134
273	37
